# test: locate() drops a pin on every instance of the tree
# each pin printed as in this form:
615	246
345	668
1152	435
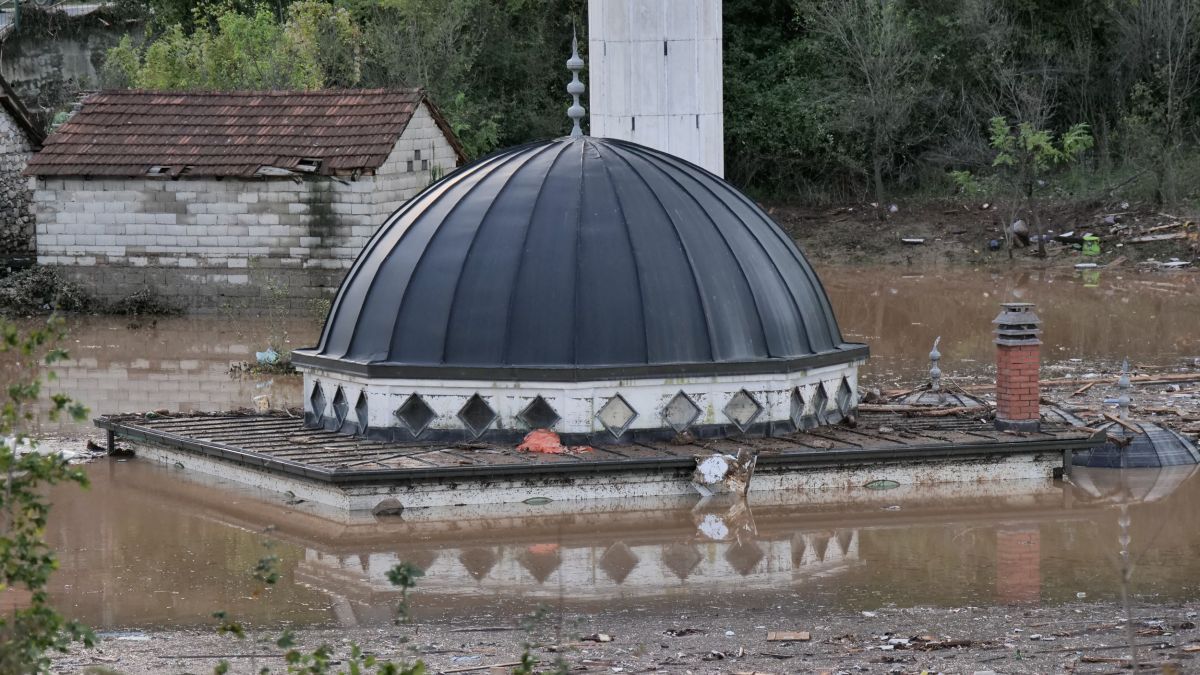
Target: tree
877	77
26	561
1160	41
317	46
1027	153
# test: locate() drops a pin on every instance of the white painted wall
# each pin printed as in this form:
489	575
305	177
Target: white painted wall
578	403
670	101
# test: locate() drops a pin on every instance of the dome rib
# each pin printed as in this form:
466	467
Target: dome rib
814	282
538	263
732	253
479	234
506	347
397	344
439	190
575	259
774	269
634	259
815	285
687	254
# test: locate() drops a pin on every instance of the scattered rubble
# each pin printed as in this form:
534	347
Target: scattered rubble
1009	639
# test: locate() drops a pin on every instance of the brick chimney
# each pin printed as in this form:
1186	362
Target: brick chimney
1018	356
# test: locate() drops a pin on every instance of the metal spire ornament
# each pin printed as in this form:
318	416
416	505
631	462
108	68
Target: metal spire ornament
575	87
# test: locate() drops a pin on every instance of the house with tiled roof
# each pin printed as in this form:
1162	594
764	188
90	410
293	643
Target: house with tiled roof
19	138
208	199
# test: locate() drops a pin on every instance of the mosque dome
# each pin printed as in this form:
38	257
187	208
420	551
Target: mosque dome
578	258
1153	446
591	286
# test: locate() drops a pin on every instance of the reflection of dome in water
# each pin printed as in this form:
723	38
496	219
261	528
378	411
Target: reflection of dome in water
541	560
681	559
744	555
1155	447
618	561
569	262
478	561
1131	486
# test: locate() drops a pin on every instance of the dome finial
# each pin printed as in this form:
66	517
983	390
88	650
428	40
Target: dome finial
575	87
1122	400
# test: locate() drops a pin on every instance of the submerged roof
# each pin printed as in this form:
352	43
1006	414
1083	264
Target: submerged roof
575	258
131	132
1154	446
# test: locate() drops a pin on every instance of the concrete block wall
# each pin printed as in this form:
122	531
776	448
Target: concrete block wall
16	216
210	244
421	156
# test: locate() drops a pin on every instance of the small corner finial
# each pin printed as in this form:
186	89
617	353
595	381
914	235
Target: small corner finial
575	87
1123	386
935	373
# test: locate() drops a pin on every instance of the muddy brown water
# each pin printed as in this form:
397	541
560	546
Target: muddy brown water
152	546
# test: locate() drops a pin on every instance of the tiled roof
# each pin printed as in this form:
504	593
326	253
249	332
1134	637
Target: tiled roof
133	132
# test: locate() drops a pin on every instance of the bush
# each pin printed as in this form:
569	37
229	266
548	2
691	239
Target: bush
40	289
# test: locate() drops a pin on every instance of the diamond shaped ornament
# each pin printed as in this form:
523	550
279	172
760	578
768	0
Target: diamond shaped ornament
681	413
317	400
616	415
742	410
415	415
476	415
798	405
340	406
820	402
539	414
361	411
845	397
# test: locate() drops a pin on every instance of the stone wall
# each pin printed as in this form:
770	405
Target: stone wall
211	244
16	217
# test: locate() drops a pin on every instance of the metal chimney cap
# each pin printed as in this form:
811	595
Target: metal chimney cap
1017	314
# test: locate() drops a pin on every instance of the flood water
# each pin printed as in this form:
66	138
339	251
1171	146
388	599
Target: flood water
153	546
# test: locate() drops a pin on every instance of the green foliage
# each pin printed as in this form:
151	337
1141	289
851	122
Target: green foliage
494	68
404	576
1028	152
33	628
320	661
317	45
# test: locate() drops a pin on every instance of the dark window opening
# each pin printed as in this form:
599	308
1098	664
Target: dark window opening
308	164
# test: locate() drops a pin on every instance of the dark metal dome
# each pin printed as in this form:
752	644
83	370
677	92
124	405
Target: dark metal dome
573	259
1155	446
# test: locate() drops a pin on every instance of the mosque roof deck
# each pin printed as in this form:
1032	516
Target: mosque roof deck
282	445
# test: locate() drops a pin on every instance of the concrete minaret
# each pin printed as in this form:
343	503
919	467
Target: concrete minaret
655	76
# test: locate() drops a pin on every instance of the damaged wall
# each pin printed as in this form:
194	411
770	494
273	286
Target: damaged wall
16	216
206	244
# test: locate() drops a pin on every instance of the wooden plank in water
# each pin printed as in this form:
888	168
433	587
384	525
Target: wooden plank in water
204	423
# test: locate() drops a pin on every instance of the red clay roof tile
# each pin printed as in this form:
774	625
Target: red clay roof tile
125	133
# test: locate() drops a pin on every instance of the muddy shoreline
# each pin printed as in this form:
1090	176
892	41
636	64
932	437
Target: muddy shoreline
953	232
1081	637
